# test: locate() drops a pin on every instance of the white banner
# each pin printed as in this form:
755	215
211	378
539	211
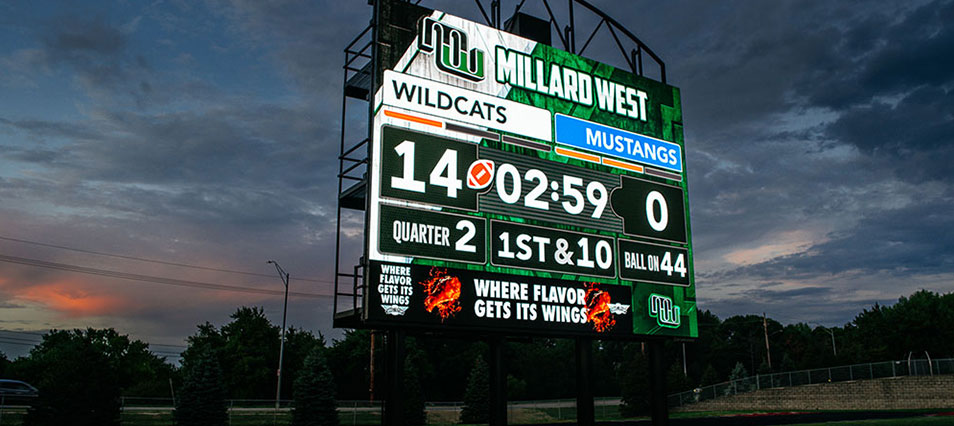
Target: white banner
465	106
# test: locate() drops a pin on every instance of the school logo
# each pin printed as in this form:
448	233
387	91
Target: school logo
665	312
449	46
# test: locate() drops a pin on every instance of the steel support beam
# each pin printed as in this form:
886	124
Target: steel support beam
657	384
585	411
394	384
498	383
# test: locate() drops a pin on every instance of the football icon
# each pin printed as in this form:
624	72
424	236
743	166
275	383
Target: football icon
480	174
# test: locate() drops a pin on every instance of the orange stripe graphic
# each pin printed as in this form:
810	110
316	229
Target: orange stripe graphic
622	165
413	118
578	155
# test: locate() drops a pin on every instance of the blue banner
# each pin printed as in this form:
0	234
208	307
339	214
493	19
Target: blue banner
618	143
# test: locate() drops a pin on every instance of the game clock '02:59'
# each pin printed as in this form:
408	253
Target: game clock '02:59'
431	169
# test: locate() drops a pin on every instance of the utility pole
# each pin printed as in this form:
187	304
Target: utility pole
832	332
371	382
685	372
768	351
281	351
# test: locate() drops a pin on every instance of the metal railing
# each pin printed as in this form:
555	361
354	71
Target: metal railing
867	371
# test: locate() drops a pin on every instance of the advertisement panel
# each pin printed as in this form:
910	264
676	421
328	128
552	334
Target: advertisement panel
518	188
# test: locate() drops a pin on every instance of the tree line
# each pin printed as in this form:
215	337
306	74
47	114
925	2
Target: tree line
245	353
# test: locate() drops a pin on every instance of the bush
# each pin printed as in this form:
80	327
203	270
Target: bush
78	385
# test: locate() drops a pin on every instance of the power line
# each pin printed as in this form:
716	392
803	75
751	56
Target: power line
19	339
168	345
5	341
32	342
24	332
17	343
148	278
161	262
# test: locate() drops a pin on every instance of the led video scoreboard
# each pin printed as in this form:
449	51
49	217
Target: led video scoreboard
519	188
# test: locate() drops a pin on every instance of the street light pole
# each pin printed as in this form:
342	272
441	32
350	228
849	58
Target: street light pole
768	351
833	350
832	332
281	352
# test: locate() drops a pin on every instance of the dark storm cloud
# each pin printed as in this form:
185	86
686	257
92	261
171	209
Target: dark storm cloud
42	129
915	136
886	55
305	39
237	146
92	47
80	41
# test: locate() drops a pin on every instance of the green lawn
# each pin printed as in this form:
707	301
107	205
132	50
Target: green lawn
912	421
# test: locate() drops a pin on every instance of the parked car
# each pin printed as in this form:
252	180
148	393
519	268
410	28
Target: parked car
10	388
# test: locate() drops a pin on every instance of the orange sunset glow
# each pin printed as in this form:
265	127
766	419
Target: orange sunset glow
68	298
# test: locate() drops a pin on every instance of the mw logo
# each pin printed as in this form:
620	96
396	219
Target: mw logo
665	312
449	46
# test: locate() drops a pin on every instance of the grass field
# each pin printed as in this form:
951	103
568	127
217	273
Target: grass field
913	421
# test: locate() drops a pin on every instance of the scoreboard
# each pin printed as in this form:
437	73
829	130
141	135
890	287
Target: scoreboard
517	187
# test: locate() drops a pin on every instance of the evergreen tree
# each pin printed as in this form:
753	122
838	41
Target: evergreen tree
414	413
738	374
315	403
634	383
201	401
709	376
477	395
676	380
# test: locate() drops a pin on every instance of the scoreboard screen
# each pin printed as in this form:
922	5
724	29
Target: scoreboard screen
517	187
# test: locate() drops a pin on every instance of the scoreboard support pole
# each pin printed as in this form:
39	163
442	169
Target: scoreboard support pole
394	396
498	383
659	405
585	411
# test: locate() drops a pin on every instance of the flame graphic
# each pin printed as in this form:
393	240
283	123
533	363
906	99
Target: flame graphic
597	308
442	292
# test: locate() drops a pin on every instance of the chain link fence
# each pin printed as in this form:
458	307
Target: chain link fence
876	370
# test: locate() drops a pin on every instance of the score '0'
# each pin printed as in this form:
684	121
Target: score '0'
657	224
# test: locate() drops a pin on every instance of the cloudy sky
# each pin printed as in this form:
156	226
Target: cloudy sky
144	139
